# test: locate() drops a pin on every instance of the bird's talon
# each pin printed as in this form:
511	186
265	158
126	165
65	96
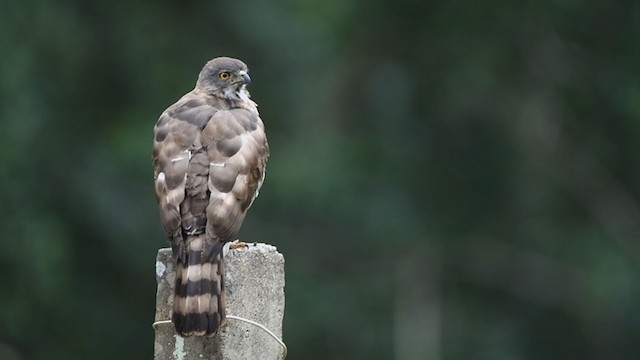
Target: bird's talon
238	245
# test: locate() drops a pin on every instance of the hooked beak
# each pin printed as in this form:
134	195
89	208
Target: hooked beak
244	78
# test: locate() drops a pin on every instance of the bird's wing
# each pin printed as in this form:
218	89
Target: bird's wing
180	180
237	151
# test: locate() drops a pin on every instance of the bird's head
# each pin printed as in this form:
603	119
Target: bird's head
226	78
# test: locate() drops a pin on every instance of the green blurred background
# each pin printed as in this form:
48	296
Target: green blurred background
448	179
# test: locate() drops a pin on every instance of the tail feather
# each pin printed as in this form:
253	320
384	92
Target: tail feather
199	304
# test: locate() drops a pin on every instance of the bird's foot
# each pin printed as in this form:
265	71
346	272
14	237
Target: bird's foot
237	244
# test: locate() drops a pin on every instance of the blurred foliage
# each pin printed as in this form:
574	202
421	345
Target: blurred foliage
448	180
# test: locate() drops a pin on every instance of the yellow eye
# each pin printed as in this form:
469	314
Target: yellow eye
224	75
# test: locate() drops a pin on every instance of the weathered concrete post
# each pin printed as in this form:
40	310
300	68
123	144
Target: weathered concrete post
254	290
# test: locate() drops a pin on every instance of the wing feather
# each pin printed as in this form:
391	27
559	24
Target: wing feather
237	150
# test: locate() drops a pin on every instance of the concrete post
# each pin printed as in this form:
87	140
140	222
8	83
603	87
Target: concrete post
254	290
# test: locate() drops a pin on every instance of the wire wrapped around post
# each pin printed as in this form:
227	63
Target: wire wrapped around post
255	301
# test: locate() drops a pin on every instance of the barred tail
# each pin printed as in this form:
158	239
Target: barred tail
199	304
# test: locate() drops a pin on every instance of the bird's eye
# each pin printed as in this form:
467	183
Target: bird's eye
224	75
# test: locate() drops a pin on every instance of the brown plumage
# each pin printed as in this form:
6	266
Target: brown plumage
209	157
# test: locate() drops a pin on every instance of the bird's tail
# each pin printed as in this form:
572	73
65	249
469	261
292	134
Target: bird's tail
199	304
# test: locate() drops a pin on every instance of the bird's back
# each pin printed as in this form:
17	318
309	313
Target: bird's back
209	158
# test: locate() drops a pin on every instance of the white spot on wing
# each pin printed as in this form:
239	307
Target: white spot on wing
192	232
185	155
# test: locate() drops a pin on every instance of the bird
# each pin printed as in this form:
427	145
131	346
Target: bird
210	154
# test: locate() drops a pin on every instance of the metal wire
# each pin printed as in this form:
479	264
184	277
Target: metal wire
284	347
